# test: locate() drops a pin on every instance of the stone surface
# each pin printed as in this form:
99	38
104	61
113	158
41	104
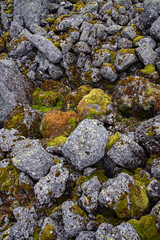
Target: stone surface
23	154
124	60
74	219
86	145
127	153
51	186
119	194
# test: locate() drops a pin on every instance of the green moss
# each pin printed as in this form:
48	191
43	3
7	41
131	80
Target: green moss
122	207
56	142
112	140
42	109
100	175
146	227
137	38
143	178
36	233
49	20
72	122
9	177
48	232
127	50
78	210
56	160
101	219
148	69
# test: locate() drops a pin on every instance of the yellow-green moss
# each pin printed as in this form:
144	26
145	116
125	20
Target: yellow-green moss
56	142
8	177
143	178
148	69
96	98
78	210
138	202
48	232
49	20
112	140
127	50
100	175
137	38
146	227
36	233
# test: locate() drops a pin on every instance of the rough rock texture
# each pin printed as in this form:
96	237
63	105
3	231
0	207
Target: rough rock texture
124	193
30	157
52	185
86	144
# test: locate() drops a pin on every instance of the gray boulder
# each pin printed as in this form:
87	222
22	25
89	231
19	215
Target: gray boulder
89	198
113	29
146	19
51	186
153	189
46	47
155	168
129	32
86	144
146	41
124	43
29	10
64	24
81	47
8	139
100	57
14	88
123	231
108	72
124	60
155	30
55	71
156	212
146	54
74	219
148	135
86	235
15	29
30	157
34	28
152	4
127	153
103	230
25	225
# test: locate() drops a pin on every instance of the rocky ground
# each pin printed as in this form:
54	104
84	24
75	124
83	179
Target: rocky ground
79	118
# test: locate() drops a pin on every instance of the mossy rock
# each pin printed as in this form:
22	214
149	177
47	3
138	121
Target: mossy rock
137	97
142	177
25	120
136	205
76	95
56	123
48	232
45	100
9	177
94	104
146	227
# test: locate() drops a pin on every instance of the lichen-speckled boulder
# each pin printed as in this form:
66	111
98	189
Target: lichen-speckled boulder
148	135
26	120
29	10
125	195
94	104
86	235
125	59
30	157
51	186
123	231
127	153
89	198
56	123
74	219
86	145
25	225
134	96
14	88
8	139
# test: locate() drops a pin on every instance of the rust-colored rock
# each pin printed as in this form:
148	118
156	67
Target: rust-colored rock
56	123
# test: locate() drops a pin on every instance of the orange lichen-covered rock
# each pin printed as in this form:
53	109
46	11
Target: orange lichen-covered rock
56	123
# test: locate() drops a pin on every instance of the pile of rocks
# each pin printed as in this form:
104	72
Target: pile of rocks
79	118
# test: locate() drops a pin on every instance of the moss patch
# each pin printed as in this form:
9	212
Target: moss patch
146	227
148	69
94	104
48	232
112	140
56	142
